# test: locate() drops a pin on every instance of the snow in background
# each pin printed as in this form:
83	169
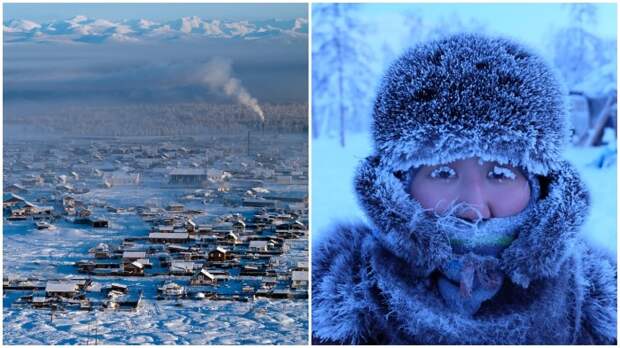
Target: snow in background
354	44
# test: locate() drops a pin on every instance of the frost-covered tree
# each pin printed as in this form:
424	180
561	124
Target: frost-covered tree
586	61
342	61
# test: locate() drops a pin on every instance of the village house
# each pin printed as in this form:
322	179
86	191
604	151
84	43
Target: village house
11	200
238	227
101	251
131	256
187	176
99	222
231	238
175	207
120	288
299	279
190	226
258	245
61	289
218	254
182	267
133	269
203	277
156	237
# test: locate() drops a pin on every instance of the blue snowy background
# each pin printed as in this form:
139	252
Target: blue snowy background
353	44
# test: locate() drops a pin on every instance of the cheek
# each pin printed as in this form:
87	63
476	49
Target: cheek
509	200
432	195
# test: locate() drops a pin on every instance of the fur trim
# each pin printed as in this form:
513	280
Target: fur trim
363	293
600	301
542	244
549	236
467	96
396	217
340	308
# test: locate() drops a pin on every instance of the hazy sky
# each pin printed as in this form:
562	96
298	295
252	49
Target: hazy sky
155	11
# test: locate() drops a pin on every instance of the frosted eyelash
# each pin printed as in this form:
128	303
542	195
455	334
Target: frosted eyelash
437	171
507	173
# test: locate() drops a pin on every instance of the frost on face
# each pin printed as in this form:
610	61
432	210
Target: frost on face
443	172
502	173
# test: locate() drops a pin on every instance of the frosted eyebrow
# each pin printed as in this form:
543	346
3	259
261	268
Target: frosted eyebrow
436	173
506	172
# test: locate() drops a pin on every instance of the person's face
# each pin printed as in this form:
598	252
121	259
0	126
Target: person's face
494	190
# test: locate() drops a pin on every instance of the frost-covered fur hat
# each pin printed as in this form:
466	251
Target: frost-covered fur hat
470	96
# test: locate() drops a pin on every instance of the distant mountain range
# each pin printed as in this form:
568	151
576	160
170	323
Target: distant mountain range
91	30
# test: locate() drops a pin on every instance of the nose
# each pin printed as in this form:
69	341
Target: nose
477	201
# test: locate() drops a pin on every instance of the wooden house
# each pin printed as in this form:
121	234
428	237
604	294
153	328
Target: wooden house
99	222
218	254
61	289
191	226
203	277
258	245
187	176
11	200
238	227
131	256
156	237
175	207
231	238
182	267
299	279
134	268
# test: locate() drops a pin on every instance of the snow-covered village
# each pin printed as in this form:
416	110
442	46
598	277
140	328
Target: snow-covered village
112	225
153	196
153	226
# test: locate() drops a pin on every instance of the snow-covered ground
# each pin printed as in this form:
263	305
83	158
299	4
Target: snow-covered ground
333	197
164	322
47	254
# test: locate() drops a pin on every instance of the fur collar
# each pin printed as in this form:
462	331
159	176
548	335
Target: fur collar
543	243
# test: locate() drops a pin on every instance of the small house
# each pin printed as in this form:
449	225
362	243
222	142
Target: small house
61	289
190	226
203	277
131	256
231	238
218	254
99	222
175	207
299	279
156	237
119	288
258	245
238	226
135	268
182	267
11	199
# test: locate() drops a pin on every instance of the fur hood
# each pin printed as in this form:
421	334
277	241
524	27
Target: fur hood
542	244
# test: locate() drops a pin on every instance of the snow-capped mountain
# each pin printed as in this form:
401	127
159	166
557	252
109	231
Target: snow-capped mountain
96	30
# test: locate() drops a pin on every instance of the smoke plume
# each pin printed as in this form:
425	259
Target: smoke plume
217	75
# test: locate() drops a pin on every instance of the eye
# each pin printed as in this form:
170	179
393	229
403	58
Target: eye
443	172
501	173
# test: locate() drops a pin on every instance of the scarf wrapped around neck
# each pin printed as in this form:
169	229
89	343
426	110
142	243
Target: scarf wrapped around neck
472	275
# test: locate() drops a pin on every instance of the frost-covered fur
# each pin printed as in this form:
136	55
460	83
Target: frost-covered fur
470	95
377	283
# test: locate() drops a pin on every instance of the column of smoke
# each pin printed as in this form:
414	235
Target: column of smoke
217	76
